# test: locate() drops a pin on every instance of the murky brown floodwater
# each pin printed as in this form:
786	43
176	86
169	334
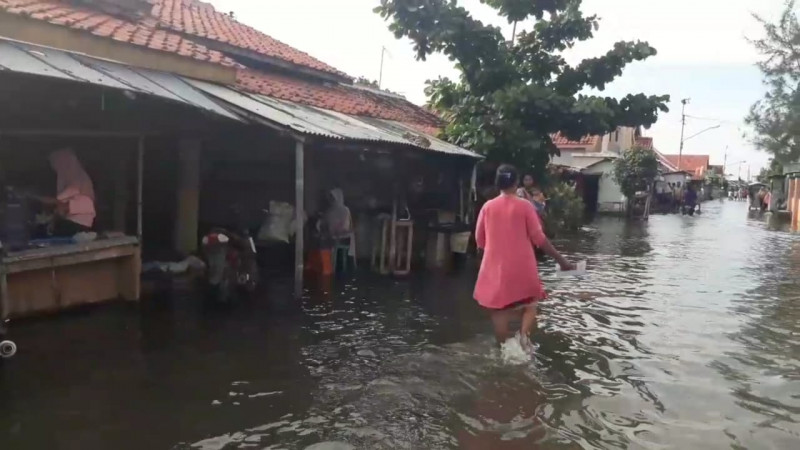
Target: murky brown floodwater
685	335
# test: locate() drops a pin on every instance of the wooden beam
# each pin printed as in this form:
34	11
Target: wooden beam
299	205
121	178
139	185
50	262
39	32
186	223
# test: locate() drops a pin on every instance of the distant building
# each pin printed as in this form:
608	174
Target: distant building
593	157
697	165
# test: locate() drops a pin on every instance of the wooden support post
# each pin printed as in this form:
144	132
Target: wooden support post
393	234
792	202
5	302
139	185
793	205
299	193
186	223
121	178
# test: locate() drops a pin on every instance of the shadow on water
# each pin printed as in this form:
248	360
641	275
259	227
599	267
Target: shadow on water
684	334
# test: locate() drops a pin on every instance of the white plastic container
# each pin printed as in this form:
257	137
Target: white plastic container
579	271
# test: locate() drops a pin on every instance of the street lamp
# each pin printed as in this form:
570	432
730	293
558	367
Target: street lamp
739	177
701	132
685	102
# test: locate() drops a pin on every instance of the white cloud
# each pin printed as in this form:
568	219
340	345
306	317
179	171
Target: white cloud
697	36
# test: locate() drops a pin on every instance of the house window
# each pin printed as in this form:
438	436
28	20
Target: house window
616	136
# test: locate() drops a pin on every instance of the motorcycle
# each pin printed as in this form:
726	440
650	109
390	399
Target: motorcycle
231	264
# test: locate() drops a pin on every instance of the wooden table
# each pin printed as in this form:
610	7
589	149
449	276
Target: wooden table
59	277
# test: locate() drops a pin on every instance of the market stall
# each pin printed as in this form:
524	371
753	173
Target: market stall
42	272
53	278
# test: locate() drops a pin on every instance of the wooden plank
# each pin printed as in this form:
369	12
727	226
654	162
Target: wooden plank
46	262
51	290
139	184
57	250
130	276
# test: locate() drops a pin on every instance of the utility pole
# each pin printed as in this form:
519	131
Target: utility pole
514	33
724	162
684	102
380	76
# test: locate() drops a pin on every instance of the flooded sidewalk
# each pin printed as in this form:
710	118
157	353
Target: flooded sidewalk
685	334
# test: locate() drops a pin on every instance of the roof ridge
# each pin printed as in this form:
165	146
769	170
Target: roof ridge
210	23
334	96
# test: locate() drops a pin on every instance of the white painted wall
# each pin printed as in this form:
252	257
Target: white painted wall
609	195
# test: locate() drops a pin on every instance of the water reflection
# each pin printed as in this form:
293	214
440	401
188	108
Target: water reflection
685	334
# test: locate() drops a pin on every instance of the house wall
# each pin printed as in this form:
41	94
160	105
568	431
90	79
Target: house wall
40	32
610	198
620	140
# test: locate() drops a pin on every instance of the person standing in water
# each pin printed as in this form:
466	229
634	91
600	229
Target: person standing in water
531	193
74	201
508	283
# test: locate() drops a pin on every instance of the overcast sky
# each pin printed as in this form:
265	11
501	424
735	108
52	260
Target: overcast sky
703	54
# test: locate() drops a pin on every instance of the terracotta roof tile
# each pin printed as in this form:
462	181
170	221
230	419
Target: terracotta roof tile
694	164
197	18
104	25
644	142
562	141
337	97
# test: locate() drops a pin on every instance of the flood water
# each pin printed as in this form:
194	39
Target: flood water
685	334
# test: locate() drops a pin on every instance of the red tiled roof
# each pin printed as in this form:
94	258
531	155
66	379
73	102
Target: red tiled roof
196	18
694	164
644	142
336	97
562	141
192	17
104	25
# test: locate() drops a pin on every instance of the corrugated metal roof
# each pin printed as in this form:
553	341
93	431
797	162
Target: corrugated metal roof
35	60
310	120
581	162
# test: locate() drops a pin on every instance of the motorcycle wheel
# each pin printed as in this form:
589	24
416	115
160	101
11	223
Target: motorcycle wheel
7	349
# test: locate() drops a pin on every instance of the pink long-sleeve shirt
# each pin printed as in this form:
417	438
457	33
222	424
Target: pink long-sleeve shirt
508	228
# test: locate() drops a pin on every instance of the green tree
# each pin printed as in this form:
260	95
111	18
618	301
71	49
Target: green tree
635	171
564	209
776	118
512	95
775	168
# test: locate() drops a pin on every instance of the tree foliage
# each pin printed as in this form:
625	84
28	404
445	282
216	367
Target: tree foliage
564	209
511	96
775	168
635	170
776	117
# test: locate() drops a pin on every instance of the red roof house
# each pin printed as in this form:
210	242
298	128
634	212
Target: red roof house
697	165
588	143
220	49
645	142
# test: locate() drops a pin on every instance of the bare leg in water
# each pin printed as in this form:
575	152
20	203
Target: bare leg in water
528	326
501	320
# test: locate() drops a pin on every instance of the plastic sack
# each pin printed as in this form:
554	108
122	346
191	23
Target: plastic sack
279	225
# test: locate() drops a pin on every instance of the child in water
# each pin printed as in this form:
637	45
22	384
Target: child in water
508	283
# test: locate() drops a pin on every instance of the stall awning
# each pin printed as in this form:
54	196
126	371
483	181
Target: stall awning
310	120
48	62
